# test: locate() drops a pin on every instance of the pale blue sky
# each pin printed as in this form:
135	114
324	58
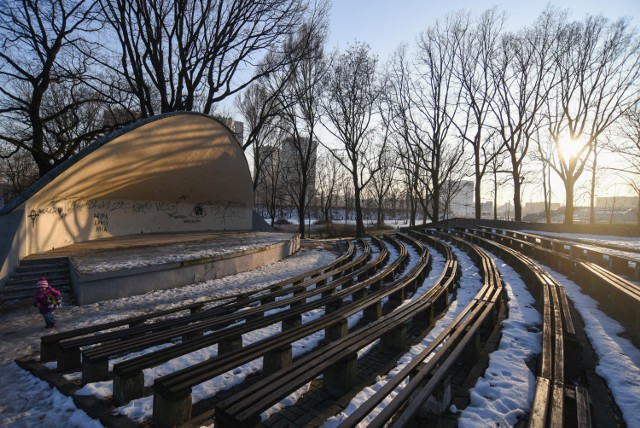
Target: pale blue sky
384	24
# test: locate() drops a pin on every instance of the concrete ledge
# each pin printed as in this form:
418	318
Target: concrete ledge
95	287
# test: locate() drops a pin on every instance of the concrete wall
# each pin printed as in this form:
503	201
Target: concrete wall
174	173
91	288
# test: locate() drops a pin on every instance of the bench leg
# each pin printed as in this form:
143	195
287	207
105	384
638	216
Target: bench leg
360	294
373	312
95	371
69	360
337	330
439	401
395	339
291	323
128	388
276	360
193	335
48	352
397	298
171	411
342	376
425	317
228	345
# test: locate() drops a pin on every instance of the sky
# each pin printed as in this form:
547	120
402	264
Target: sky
384	24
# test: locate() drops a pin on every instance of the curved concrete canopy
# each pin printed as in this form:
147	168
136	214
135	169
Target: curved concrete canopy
186	157
179	172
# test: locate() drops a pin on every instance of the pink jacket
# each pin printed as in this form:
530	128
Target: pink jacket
45	300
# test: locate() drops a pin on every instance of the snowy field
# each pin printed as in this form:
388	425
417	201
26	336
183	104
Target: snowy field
500	397
633	243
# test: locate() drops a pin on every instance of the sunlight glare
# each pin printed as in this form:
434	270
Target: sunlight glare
570	147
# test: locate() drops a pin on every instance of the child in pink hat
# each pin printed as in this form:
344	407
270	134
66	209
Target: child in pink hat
46	299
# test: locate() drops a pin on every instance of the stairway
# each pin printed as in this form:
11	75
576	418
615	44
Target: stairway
22	285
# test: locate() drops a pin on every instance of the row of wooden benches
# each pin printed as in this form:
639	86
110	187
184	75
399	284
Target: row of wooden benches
614	261
127	339
338	362
65	347
351	285
553	388
431	369
616	296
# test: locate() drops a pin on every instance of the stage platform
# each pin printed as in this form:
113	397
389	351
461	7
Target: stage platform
112	268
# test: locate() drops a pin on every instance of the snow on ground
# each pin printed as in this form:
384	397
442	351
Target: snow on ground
620	241
470	284
505	392
26	401
173	252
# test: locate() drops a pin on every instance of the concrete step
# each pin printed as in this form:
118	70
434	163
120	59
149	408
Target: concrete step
40	268
53	280
22	284
49	273
31	261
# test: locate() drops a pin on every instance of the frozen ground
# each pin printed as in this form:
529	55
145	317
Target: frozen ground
619	241
27	402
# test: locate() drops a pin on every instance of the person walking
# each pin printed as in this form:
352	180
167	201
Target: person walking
47	299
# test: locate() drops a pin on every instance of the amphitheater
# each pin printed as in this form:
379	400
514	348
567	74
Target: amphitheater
399	330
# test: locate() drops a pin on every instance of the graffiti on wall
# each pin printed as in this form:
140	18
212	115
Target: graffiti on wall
223	212
101	222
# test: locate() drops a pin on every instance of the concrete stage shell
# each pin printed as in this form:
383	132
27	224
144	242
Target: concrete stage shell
172	173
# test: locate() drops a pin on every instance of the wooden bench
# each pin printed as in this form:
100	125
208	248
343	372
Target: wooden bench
95	360
68	350
558	333
337	362
457	341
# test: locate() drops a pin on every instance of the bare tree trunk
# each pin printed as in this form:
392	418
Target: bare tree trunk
568	209
592	197
478	191
517	201
546	184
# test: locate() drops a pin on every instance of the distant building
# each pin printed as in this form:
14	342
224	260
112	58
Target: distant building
291	169
284	161
538	207
235	126
616	202
486	209
456	199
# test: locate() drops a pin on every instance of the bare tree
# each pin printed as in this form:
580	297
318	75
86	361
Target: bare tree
523	73
18	172
49	106
349	107
268	187
396	112
473	71
259	108
437	100
189	55
596	173
300	116
330	178
629	148
382	181
598	63
543	153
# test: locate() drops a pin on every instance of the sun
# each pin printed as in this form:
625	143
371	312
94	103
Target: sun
570	147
